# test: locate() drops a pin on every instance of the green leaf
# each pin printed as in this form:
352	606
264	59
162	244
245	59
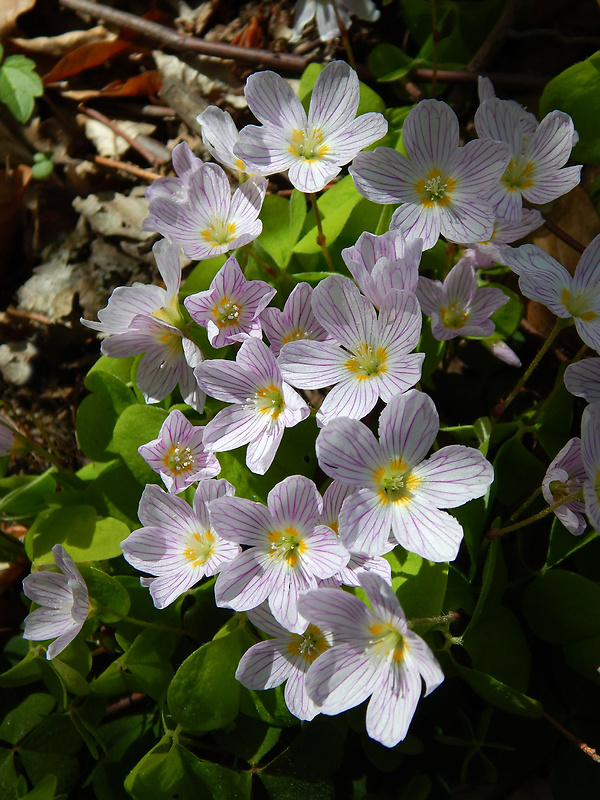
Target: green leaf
575	91
282	224
24	495
137	425
26	671
518	473
204	694
251	739
493	582
563	544
498	647
267	705
43	790
499	694
52	749
119	367
508	317
85	537
555	427
182	775
420	585
25	717
110	389
108	592
201	276
388	63
562	607
19	85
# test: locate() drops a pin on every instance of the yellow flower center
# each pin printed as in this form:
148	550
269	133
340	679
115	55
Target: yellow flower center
454	316
368	363
578	306
200	549
517	176
308	144
287	545
435	189
219	233
226	312
387	642
396	482
309	644
269	401
293	336
179	459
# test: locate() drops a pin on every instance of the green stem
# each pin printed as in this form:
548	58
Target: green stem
496	532
534	495
527	374
450	617
344	35
321	240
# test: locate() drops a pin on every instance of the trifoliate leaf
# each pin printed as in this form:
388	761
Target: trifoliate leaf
19	84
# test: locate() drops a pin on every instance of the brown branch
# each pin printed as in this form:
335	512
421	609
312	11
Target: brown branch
589	751
93	114
138	172
152	30
566	238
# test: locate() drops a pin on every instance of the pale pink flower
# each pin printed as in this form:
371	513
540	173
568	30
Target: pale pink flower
374	655
178	454
442	187
64	602
457	307
565	475
288	550
312	148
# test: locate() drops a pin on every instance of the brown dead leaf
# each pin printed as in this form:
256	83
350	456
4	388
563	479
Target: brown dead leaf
85	57
10	10
59	46
251	34
148	84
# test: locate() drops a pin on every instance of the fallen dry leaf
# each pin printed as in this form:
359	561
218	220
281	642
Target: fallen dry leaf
148	84
10	10
12	188
108	143
85	57
117	215
64	43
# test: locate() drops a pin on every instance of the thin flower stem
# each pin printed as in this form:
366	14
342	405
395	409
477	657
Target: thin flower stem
527	374
450	617
321	240
589	751
344	35
496	532
533	496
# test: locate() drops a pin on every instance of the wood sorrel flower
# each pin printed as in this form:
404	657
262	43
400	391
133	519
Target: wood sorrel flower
583	379
147	319
398	490
536	170
177	545
296	321
64	602
491	251
457	307
542	278
230	309
288	550
315	147
374	655
328	26
210	221
373	357
565	475
381	263
590	453
175	189
220	136
441	186
264	405
178	454
285	657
